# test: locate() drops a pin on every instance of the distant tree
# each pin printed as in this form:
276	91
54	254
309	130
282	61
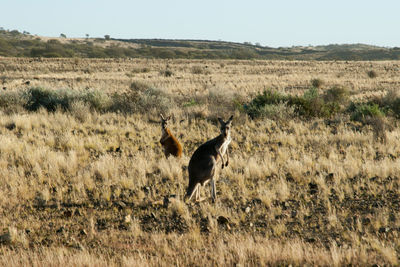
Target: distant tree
258	44
107	37
87	36
63	35
26	33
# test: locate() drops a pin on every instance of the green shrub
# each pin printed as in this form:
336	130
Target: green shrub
269	97
97	100
363	111
311	104
38	97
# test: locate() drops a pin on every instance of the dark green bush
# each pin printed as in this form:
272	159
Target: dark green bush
38	97
49	99
363	111
311	104
268	97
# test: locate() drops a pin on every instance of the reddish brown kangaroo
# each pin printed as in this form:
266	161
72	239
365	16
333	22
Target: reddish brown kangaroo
168	141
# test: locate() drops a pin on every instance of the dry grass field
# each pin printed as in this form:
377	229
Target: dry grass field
92	188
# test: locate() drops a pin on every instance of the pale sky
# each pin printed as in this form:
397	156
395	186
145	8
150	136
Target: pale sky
270	23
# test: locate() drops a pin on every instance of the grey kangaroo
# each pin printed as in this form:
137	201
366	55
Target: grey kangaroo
204	161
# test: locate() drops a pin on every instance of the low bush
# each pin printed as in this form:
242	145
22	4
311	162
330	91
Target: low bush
338	94
11	99
311	104
139	86
155	99
200	70
364	111
38	97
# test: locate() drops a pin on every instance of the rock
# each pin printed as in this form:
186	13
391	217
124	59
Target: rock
247	210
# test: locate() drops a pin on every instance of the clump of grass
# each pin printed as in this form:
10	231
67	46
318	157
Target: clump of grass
155	99
127	102
280	111
317	83
140	70
12	100
80	110
372	74
378	125
167	73
139	86
338	94
200	70
192	102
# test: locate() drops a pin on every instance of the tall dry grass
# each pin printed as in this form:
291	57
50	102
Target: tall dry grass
87	187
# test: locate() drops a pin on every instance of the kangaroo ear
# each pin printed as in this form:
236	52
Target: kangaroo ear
230	119
162	117
168	118
221	121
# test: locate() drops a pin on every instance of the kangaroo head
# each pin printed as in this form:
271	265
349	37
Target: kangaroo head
164	121
226	126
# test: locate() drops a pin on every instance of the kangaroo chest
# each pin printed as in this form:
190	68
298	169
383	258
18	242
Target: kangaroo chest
164	136
225	145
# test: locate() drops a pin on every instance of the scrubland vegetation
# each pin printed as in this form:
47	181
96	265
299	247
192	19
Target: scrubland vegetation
16	44
313	176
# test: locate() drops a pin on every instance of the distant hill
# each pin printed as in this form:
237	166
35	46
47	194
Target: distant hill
16	44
